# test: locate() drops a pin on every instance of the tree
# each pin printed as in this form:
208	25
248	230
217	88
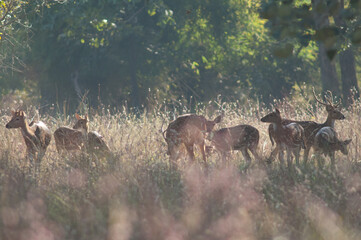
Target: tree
300	22
126	51
13	40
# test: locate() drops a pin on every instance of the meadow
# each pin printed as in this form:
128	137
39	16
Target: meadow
136	194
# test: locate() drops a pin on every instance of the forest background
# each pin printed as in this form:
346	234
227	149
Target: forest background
60	53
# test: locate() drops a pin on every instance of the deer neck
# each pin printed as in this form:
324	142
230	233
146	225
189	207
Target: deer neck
329	122
277	124
84	132
26	130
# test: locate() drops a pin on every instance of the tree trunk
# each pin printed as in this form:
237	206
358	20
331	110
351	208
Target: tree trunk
329	77
348	76
132	56
347	65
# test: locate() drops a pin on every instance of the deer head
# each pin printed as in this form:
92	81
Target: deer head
272	117
82	123
210	124
18	119
332	110
344	146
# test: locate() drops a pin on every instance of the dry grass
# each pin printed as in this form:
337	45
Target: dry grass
136	194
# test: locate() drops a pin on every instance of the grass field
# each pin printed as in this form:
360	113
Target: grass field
136	194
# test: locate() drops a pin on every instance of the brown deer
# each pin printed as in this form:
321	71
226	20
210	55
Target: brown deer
189	130
37	136
240	137
93	141
72	138
310	126
326	142
290	137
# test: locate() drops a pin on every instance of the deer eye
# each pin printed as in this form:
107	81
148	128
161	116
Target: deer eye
17	119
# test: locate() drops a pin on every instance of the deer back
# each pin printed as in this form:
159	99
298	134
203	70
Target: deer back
234	138
69	139
188	129
294	135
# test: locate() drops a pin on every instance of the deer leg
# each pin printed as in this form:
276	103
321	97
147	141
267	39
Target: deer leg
246	156
190	152
281	156
332	156
320	160
289	157
223	157
273	154
305	155
296	152
202	148
255	153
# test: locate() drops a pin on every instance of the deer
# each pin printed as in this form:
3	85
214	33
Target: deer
333	113
95	142
37	136
240	137
72	139
326	142
188	130
290	137
92	141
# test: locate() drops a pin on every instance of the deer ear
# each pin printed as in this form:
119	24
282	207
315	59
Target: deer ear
77	116
277	111
86	117
347	142
13	112
218	119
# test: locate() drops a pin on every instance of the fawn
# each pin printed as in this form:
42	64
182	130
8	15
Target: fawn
326	142
189	130
290	137
240	137
310	126
37	136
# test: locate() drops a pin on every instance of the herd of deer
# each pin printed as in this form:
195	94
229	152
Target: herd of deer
37	137
290	136
190	130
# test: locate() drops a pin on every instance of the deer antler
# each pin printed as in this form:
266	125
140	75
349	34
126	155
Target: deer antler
329	99
321	102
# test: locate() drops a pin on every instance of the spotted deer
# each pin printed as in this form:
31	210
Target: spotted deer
37	136
240	137
72	139
333	113
95	142
290	137
188	130
326	142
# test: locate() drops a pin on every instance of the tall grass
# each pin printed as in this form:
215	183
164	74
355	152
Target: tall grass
137	194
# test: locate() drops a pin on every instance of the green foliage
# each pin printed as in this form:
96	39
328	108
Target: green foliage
295	20
130	51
